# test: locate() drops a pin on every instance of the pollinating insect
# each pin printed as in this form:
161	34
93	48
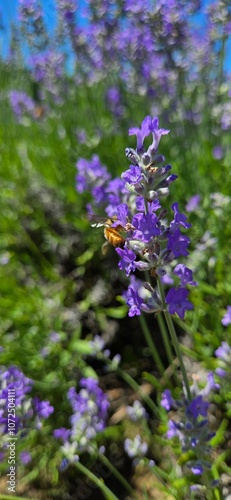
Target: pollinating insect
115	236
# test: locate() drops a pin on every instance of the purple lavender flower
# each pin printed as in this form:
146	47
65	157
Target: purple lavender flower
167	400
22	104
29	9
133	175
193	203
89	416
192	428
218	152
25	457
224	354
43	408
178	302
127	260
178	243
226	320
146	226
185	274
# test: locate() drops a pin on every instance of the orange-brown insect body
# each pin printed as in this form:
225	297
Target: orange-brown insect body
113	236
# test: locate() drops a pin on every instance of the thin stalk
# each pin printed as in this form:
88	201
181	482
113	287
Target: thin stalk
99	482
165	337
151	345
116	473
10	497
145	397
176	345
174	338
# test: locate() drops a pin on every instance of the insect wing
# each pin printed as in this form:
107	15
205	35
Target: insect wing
97	221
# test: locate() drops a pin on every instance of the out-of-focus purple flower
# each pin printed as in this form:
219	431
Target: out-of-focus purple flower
113	99
224	354
178	243
193	203
135	447
25	457
191	427
218	152
136	412
178	302
43	408
185	274
22	104
90	407
226	320
62	434
67	8
29	9
55	337
167	400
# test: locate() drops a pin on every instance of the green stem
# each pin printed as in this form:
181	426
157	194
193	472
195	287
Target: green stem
145	397
174	338
165	337
151	345
10	497
116	473
99	482
176	345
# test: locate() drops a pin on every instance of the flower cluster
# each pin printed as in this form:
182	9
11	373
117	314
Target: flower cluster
30	15
89	416
22	104
191	428
223	353
26	412
47	70
134	201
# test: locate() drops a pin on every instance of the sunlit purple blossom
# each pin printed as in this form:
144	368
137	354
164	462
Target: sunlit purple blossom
177	300
185	274
133	175
148	126
179	218
146	226
178	243
127	258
